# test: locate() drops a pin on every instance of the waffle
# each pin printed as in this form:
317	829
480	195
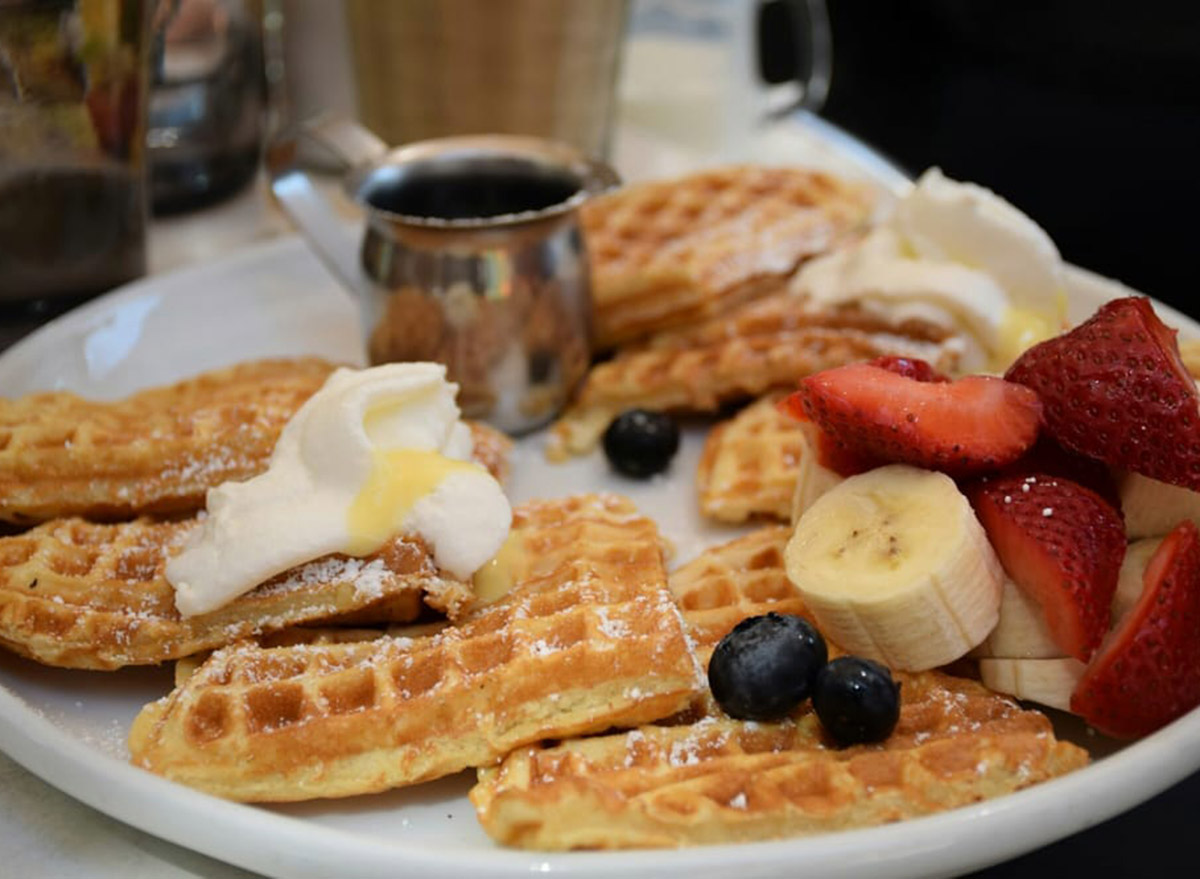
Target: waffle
86	595
750	464
764	345
720	781
157	451
587	639
727	583
665	253
715	779
160	450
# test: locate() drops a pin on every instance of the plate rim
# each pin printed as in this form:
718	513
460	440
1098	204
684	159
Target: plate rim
235	833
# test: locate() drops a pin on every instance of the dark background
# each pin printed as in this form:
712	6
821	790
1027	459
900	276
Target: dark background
1083	113
1086	115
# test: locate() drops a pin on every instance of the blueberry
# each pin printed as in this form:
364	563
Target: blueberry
857	700
766	666
641	443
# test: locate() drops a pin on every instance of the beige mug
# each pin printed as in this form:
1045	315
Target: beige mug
432	68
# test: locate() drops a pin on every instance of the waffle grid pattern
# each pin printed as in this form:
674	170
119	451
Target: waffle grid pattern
715	780
85	595
720	780
157	451
588	639
670	252
767	345
750	464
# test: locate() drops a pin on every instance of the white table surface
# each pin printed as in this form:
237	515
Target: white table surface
45	833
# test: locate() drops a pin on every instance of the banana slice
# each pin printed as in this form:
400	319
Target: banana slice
812	480
1131	580
895	567
1045	681
1021	632
1153	508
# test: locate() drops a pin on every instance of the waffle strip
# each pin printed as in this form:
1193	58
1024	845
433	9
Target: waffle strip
587	639
766	345
720	781
750	464
85	595
669	252
159	451
716	780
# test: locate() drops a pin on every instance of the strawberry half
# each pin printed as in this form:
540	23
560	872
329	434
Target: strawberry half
1147	672
1115	389
964	427
834	456
1062	544
1048	457
910	367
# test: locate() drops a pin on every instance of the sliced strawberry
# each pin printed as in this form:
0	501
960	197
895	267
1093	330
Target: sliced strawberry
834	456
969	426
1048	457
1115	389
910	367
1062	544
1147	672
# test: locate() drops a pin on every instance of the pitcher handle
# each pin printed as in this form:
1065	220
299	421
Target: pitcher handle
334	242
345	139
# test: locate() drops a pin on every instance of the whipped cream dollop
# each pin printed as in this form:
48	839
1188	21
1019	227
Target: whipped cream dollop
374	453
955	255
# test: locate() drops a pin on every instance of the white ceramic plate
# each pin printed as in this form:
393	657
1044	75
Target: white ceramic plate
69	727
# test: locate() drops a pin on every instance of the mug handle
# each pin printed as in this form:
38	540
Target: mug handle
795	48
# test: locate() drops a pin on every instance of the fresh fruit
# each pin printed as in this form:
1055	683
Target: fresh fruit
1132	578
910	367
835	455
641	443
1115	389
815	473
894	566
766	666
1147	672
856	700
1062	544
1048	457
1045	681
1153	508
972	425
1021	632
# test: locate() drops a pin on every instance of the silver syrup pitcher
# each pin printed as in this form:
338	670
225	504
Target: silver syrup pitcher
472	256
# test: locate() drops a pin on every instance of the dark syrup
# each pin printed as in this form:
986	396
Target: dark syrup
507	188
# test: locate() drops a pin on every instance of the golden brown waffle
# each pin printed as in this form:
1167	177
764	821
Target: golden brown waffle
759	347
587	639
727	583
85	595
491	449
670	252
750	464
158	451
720	780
